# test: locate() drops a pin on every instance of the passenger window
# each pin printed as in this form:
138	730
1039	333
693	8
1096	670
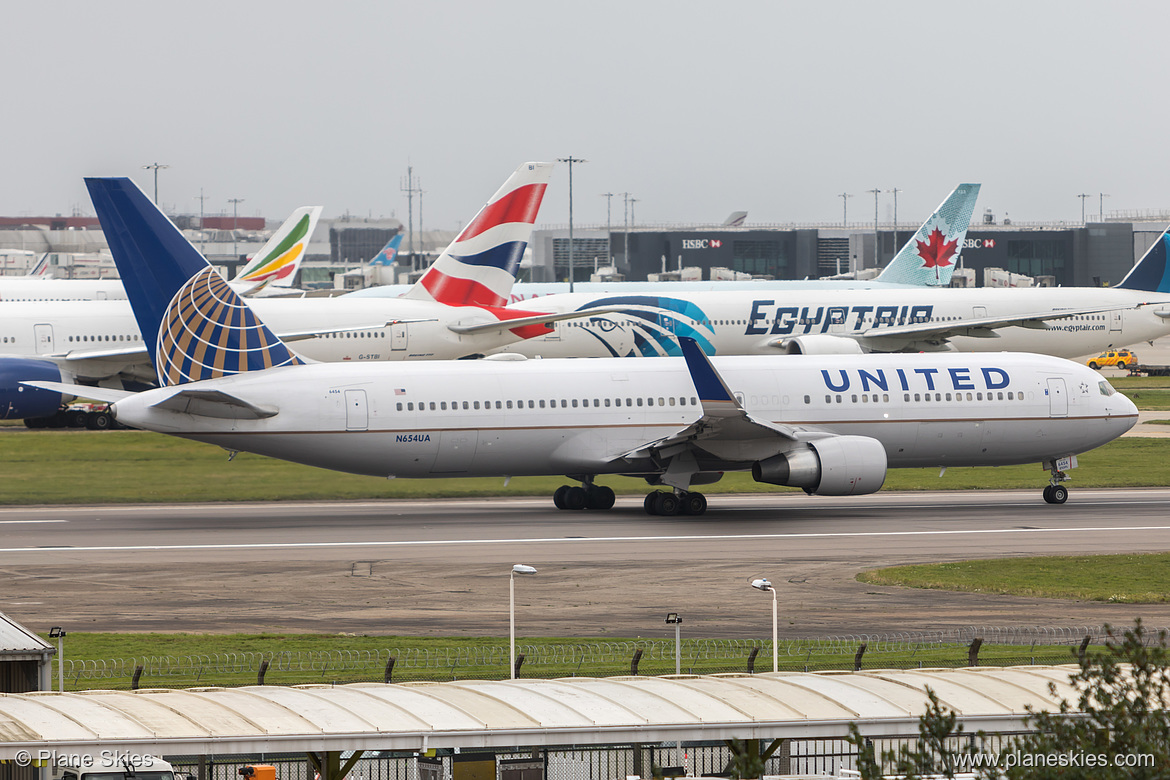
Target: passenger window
432	406
1010	395
607	402
410	406
475	404
399	406
509	404
662	401
828	399
865	399
885	398
542	403
639	402
565	404
532	404
807	400
838	399
574	403
854	399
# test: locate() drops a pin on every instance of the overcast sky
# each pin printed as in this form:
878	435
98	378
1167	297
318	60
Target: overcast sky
697	109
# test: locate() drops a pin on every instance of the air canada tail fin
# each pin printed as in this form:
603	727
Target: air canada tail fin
195	326
278	260
928	258
1152	272
389	252
479	267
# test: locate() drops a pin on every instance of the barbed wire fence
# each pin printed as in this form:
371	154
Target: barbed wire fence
952	647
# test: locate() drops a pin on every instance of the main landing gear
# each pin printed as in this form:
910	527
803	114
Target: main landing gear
1056	493
587	496
680	502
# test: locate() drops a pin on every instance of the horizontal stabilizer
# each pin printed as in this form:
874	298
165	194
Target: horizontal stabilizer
106	395
215	403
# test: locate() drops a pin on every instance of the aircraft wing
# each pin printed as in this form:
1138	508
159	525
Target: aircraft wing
301	335
725	430
533	319
137	351
977	327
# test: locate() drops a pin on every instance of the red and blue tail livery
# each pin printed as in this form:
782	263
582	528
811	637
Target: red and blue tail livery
479	267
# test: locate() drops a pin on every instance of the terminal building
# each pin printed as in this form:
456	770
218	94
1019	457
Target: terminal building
1087	255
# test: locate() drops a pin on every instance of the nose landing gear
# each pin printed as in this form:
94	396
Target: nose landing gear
1056	493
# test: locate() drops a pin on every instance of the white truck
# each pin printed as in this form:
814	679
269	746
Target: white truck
110	765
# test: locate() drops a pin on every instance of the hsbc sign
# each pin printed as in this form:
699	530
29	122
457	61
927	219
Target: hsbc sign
979	243
701	243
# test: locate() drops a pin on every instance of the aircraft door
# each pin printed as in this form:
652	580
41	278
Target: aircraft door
1057	398
456	449
43	336
357	413
399	336
667	322
1115	321
979	312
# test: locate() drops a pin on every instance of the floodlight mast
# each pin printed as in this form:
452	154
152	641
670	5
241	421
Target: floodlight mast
518	568
764	585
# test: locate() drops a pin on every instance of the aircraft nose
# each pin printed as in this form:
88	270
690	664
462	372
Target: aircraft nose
1124	411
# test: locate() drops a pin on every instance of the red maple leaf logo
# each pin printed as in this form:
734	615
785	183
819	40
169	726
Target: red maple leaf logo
938	251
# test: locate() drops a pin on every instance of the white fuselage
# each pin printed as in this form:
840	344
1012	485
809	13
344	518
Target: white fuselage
18	290
81	327
481	418
756	322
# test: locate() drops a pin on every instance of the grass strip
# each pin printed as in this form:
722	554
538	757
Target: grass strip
115	467
1120	579
187	660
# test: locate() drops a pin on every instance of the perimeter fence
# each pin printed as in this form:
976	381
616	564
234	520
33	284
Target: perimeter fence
967	646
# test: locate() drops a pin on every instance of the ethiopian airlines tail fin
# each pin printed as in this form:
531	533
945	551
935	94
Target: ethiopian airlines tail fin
389	252
277	262
479	267
927	259
195	326
1152	272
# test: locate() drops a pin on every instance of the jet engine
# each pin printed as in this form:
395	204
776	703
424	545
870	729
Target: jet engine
833	466
821	344
18	401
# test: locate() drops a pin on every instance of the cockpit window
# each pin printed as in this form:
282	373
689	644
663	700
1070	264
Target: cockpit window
1106	388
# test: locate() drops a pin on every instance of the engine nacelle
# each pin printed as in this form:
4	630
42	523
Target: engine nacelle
18	401
821	344
833	466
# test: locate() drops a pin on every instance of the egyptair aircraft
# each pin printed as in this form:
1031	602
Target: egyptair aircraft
831	426
1059	321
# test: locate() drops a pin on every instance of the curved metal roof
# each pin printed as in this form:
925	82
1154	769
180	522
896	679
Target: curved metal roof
478	713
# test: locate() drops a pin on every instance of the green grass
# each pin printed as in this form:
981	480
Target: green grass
1124	579
123	652
1149	393
71	467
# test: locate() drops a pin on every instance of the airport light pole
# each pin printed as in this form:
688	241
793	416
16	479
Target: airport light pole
58	633
676	619
235	223
764	585
626	235
155	167
518	568
895	191
1082	196
201	234
570	160
1102	214
877	252
844	196
608	202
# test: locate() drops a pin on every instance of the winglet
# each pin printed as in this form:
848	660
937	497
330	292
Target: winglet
928	258
195	326
714	394
479	267
1152	272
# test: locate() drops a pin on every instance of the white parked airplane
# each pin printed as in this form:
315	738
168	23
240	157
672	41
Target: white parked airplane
274	267
831	426
1059	321
914	266
452	314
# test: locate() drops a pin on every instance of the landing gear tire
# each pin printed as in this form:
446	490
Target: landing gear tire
559	496
694	504
99	421
575	498
1056	494
666	504
599	497
648	503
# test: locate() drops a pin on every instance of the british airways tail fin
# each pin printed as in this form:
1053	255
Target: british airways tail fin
195	326
1152	272
389	252
278	260
928	258
479	267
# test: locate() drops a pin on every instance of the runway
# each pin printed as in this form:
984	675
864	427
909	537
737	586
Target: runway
441	567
